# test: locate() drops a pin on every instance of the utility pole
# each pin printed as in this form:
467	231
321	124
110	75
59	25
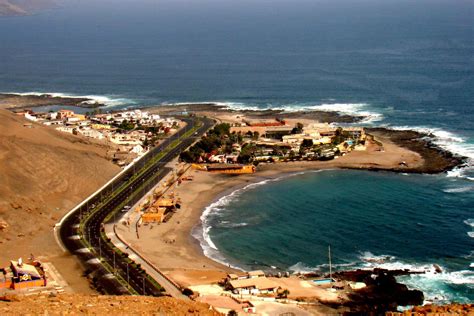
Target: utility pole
128	276
330	266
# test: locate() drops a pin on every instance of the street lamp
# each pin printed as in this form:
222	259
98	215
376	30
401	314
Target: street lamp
128	276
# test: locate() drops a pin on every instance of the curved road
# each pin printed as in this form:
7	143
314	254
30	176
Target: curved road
81	231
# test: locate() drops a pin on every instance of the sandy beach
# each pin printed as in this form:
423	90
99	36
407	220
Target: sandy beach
177	253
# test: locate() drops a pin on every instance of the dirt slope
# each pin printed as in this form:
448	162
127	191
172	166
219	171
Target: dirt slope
44	173
102	305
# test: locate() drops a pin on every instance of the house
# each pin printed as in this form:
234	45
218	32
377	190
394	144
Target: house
52	115
53	122
137	149
91	133
63	114
155	216
66	129
256	274
101	126
256	285
21	275
30	117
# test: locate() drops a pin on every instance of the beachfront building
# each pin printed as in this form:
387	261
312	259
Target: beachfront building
160	210
20	275
250	283
252	286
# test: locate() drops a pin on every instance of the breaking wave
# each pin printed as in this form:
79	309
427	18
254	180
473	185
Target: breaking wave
469	222
361	110
451	143
459	189
108	101
436	286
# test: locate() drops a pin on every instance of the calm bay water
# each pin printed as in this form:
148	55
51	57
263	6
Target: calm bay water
405	64
410	221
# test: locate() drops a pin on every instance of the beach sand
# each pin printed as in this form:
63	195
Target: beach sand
171	246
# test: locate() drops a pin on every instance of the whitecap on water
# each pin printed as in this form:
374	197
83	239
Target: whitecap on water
436	286
469	222
462	189
361	110
107	101
300	267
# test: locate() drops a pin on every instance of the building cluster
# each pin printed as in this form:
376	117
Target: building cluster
161	209
317	141
280	141
20	275
129	132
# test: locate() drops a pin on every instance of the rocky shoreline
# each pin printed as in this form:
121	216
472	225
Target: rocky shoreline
19	101
382	294
436	159
217	109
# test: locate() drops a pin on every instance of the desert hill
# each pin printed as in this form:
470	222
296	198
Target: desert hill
101	305
44	173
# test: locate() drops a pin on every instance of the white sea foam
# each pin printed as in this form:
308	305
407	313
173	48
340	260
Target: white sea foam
367	256
300	267
434	285
469	222
452	143
226	224
354	109
470	234
461	189
108	101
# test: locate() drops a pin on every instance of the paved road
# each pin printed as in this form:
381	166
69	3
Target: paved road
85	224
170	287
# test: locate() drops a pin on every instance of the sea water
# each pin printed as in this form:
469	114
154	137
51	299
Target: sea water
400	64
370	219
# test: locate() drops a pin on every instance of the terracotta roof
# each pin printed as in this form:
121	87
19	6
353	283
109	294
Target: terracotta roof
256	273
258	283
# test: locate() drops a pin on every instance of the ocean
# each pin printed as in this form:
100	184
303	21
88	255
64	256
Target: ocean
401	64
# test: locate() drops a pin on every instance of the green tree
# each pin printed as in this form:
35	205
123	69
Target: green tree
284	293
307	143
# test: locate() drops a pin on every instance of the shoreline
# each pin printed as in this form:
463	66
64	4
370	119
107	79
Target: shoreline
186	261
20	101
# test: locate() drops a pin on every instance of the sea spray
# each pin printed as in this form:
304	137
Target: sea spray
107	101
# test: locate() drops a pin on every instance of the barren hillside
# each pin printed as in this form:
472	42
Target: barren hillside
101	305
44	173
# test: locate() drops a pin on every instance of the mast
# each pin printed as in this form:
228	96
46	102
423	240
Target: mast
330	266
